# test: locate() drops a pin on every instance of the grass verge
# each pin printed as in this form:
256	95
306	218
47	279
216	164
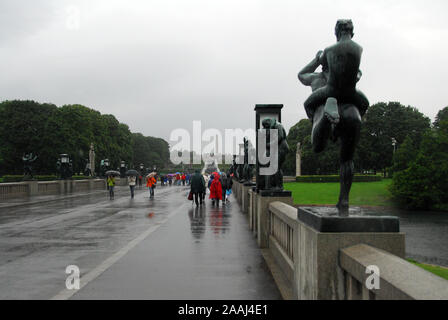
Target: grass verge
362	193
437	270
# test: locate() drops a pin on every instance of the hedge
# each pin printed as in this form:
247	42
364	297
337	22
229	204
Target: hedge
12	178
335	178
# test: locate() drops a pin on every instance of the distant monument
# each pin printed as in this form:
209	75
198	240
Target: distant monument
299	160
336	107
92	160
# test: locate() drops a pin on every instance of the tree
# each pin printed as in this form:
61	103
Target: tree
326	162
48	131
442	115
424	184
382	123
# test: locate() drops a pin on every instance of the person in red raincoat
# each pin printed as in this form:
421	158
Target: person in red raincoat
216	190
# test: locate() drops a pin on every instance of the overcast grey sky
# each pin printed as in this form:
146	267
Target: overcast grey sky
159	65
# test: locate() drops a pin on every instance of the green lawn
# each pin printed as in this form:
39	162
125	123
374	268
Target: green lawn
362	193
440	271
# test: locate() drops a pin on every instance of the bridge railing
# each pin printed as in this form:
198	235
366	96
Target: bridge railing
397	278
13	190
283	236
40	188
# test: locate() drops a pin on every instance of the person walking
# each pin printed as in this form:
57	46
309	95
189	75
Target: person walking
224	183
132	181
151	184
216	190
229	185
184	177
197	187
111	185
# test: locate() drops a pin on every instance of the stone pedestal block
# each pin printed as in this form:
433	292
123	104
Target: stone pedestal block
264	198
245	196
318	275
33	188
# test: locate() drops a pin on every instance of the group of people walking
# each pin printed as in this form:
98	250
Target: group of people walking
151	182
219	184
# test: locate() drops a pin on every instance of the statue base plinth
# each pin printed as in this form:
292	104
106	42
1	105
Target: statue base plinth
325	219
275	193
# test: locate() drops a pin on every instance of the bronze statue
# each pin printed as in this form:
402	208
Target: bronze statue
248	168
28	160
275	182
336	107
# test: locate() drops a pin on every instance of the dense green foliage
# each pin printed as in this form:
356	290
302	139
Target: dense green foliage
420	180
19	178
324	163
362	194
48	131
336	178
382	122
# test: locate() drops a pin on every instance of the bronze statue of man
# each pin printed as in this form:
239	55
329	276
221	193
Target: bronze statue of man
336	107
275	182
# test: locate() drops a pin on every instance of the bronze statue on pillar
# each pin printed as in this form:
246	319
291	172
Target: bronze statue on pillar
336	106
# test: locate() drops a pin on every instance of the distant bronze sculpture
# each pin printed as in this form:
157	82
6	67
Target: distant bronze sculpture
336	107
275	181
248	169
28	160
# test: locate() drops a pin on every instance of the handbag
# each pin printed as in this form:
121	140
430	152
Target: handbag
190	196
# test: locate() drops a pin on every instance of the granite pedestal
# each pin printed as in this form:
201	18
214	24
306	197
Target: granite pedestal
263	199
321	236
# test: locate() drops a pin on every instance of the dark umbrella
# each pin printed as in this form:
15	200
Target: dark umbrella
132	172
112	173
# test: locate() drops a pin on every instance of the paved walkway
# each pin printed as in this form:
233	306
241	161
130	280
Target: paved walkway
200	253
131	249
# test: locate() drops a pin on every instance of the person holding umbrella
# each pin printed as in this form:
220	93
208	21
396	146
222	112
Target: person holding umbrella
151	183
111	182
132	180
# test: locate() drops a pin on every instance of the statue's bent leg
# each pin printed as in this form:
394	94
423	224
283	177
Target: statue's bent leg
331	110
321	130
318	97
361	101
350	131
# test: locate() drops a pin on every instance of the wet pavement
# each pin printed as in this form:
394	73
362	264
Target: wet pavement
161	248
187	254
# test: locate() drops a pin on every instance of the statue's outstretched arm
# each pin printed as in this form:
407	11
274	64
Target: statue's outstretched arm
306	75
359	76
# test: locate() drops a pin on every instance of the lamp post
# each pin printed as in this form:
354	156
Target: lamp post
65	164
394	144
122	169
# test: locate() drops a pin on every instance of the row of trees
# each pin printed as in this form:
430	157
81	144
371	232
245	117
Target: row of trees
48	131
382	123
420	179
418	162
